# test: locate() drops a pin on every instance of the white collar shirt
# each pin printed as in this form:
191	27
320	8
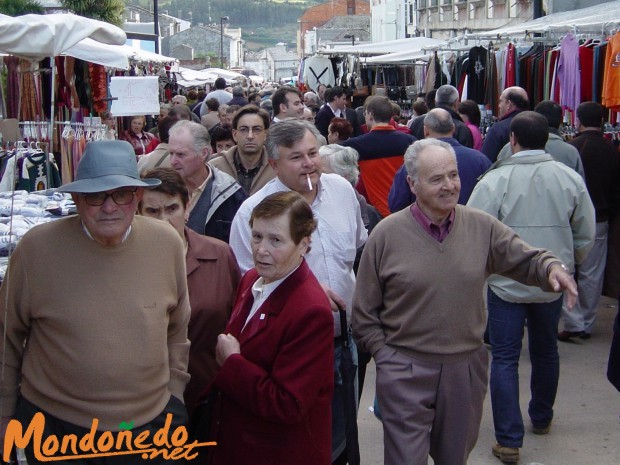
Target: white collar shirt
340	232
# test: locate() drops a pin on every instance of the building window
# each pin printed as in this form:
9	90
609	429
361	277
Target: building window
512	12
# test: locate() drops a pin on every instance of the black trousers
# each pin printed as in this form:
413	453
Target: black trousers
26	410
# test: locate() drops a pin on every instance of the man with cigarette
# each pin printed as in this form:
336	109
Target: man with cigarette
293	150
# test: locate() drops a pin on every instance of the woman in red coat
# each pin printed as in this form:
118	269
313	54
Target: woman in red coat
136	136
276	358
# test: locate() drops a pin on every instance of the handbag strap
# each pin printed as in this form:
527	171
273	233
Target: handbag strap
344	329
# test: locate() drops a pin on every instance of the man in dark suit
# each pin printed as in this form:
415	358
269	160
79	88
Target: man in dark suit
335	107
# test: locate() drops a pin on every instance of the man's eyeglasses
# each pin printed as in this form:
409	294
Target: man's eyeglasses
120	197
256	130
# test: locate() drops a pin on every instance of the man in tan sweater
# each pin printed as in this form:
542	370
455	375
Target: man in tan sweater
101	300
418	309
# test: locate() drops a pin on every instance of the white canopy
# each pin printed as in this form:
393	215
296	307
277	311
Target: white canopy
136	54
40	36
190	77
595	18
113	56
390	46
408	56
225	73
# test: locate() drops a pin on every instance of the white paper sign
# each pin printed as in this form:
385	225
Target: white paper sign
136	95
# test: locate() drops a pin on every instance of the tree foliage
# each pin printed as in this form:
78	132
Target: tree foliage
110	11
20	7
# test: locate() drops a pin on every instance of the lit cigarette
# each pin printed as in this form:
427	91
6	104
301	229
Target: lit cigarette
309	183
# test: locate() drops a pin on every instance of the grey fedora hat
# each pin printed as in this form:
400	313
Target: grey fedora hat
107	165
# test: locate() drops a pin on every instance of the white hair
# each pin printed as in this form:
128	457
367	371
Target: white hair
342	161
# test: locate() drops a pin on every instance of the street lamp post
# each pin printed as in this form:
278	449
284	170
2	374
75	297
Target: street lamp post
222	20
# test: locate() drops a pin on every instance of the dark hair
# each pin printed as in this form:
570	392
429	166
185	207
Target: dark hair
219	133
201	95
179	112
471	110
251	109
420	108
163	127
212	104
279	97
301	218
192	94
252	96
530	129
515	97
342	127
552	111
333	93
591	114
380	107
220	83
172	184
430	99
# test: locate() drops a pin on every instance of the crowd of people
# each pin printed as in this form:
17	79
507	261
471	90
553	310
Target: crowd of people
288	209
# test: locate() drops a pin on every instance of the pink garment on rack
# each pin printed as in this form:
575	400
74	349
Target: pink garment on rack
568	72
66	157
510	78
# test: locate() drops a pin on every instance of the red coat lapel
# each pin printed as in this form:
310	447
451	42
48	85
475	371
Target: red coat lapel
270	308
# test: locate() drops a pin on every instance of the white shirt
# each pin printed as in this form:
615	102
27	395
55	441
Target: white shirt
261	292
340	232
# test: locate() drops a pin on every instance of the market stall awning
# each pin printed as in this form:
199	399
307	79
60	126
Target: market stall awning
596	18
139	55
399	57
225	73
40	36
112	56
191	78
389	46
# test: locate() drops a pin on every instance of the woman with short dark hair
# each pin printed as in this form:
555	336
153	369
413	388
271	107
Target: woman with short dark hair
276	356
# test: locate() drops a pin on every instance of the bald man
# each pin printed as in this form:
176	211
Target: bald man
513	101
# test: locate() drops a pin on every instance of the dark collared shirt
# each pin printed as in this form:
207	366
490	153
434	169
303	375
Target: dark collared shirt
438	232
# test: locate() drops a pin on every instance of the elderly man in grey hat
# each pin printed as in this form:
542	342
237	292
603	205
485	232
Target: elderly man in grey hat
95	311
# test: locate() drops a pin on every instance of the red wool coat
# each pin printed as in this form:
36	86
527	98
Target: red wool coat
275	402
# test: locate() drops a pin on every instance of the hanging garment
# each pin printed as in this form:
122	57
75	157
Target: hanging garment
476	75
33	172
611	82
319	70
568	72
586	68
510	78
598	73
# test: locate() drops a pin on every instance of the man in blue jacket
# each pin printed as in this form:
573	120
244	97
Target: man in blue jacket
438	124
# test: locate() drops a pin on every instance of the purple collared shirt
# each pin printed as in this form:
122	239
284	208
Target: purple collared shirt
438	232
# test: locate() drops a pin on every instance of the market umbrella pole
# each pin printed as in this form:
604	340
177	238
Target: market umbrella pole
50	132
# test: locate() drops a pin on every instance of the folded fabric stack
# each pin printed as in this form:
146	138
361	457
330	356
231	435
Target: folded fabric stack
21	210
